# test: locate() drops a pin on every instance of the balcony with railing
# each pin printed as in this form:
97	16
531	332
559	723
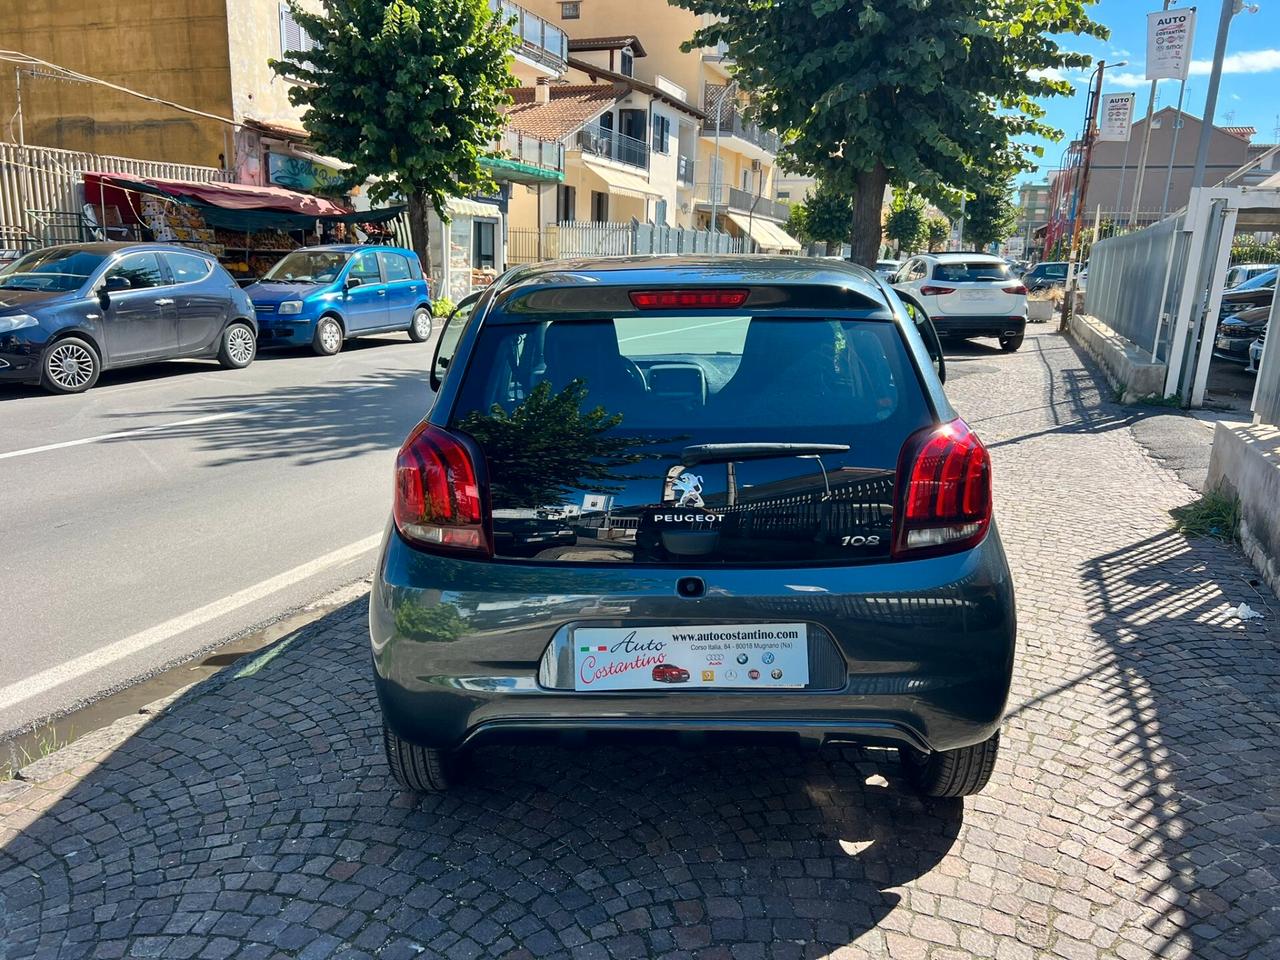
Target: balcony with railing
548	154
731	123
741	201
540	41
603	142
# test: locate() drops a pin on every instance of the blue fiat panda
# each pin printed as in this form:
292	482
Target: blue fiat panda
323	296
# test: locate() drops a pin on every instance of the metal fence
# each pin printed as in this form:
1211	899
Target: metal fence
42	188
571	239
1135	281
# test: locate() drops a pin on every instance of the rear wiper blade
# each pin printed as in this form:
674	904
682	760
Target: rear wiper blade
724	452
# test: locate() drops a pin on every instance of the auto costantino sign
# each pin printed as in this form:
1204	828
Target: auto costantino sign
1115	116
1169	36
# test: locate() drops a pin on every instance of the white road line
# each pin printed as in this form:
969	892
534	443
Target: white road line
45	680
127	433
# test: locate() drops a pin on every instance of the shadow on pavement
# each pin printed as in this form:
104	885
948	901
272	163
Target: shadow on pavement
305	423
258	810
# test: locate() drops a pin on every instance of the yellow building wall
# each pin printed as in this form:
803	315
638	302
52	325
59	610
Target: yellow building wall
175	49
253	38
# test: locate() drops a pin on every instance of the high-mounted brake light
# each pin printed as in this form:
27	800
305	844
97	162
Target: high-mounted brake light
932	291
437	497
1018	290
944	491
678	299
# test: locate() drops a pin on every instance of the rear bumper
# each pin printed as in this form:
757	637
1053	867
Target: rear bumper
979	326
926	648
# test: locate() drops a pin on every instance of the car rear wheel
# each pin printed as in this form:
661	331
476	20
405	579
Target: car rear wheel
328	337
1010	344
420	328
239	347
70	366
421	769
951	773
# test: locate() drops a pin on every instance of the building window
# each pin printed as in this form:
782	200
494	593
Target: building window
628	63
746	180
482	246
571	10
566	204
599	206
293	39
661	133
784	194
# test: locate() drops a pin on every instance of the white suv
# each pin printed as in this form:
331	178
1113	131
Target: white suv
967	295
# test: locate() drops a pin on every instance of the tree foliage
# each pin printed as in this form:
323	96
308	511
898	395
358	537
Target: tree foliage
936	233
549	447
936	93
825	216
408	92
905	224
990	216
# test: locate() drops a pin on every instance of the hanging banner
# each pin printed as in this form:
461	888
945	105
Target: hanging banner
1169	36
1115	116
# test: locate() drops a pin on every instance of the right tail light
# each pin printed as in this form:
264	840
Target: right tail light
944	492
438	505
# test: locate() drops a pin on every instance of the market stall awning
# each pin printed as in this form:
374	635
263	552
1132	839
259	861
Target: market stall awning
466	207
229	196
620	181
765	233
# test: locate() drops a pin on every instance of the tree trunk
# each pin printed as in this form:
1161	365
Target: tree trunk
420	231
868	203
831	248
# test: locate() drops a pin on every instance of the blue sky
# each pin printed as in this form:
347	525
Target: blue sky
1250	90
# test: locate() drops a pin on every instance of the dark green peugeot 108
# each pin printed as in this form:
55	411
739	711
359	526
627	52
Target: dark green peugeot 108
693	495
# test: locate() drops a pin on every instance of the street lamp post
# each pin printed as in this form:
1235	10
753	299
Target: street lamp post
1229	9
1082	189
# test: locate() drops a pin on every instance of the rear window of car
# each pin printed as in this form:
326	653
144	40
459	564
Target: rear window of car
1051	270
624	424
971	272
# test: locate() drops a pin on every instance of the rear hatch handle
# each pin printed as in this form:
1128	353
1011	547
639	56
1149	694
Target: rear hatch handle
725	452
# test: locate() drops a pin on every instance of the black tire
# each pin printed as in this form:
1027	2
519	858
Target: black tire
239	346
1010	344
420	326
327	339
951	773
421	769
70	365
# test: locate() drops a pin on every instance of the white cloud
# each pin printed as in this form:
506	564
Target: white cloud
1126	80
1049	73
1251	61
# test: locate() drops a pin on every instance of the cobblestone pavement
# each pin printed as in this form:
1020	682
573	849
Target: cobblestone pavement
1135	811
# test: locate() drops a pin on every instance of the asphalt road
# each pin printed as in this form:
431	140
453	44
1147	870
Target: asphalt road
177	505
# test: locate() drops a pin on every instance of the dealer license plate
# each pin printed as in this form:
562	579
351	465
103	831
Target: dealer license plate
720	656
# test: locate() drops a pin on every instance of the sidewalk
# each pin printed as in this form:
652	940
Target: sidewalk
1135	811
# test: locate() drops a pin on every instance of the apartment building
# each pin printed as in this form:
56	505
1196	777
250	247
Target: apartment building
679	124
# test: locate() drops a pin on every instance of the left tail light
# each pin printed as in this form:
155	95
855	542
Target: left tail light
439	505
944	492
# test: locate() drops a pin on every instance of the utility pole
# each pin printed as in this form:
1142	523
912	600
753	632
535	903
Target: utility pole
1229	9
1082	195
1173	147
1146	146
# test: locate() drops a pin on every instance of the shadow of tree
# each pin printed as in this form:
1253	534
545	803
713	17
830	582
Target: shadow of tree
258	814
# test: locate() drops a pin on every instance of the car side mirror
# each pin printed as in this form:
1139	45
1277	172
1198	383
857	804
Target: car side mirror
353	282
116	284
928	333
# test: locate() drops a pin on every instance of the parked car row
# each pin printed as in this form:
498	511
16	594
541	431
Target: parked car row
69	312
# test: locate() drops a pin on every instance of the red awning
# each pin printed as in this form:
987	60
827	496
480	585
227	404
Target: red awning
233	196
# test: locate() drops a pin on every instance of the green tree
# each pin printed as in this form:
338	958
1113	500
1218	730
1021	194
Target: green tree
936	93
823	217
549	447
990	216
905	224
408	92
936	233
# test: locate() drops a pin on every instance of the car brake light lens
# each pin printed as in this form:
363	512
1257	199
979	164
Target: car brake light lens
1018	290
932	291
437	495
944	489
678	299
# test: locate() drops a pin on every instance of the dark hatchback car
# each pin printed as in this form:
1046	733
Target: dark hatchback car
69	312
1046	275
767	487
1237	333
